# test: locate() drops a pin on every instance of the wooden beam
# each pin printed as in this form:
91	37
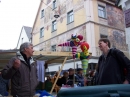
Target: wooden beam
58	75
55	61
65	54
4	61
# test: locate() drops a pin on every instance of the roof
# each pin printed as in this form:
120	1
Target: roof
28	31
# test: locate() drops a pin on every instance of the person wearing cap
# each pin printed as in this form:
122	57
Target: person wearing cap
71	77
79	77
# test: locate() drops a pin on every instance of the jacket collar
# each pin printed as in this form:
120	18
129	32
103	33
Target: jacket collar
18	54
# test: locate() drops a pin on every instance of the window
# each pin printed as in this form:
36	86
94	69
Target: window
41	32
103	36
42	13
70	17
53	48
41	49
54	25
54	4
21	40
101	11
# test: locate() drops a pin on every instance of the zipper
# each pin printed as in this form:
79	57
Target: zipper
30	81
103	62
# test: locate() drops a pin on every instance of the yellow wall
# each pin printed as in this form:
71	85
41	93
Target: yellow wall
75	2
79	17
95	10
47	33
36	39
62	27
37	26
37	31
97	34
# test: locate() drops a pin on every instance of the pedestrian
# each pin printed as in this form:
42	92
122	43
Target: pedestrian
22	71
63	79
71	77
111	65
80	78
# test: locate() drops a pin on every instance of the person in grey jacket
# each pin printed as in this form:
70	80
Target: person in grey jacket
22	71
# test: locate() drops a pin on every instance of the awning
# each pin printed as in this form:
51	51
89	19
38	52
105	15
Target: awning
49	57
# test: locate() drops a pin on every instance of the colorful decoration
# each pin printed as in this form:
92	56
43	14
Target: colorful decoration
74	43
84	56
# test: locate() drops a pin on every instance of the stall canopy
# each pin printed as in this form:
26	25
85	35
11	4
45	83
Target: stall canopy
49	57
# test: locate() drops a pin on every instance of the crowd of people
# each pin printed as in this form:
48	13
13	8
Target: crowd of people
22	71
69	78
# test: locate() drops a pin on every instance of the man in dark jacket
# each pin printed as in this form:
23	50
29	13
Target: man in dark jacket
21	69
111	65
63	80
71	77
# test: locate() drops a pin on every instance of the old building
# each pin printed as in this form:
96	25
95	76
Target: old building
25	36
57	20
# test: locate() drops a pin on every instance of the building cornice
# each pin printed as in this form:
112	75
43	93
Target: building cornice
82	25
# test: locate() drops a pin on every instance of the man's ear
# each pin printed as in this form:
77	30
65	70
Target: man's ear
107	43
25	49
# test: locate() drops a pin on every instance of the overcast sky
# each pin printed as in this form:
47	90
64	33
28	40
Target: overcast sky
13	15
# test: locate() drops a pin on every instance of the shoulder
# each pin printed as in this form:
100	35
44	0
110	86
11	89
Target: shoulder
114	50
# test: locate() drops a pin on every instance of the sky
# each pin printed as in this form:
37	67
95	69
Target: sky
13	15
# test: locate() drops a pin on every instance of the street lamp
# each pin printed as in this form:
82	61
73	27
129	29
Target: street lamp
56	15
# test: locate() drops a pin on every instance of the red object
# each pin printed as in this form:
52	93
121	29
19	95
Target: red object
80	37
84	44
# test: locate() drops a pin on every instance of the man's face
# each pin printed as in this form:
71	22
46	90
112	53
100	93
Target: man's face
102	45
81	71
71	72
66	75
30	51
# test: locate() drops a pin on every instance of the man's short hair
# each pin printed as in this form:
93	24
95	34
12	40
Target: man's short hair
70	69
25	45
65	72
105	40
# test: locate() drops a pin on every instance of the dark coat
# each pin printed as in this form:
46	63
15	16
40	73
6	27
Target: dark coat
23	80
110	69
61	81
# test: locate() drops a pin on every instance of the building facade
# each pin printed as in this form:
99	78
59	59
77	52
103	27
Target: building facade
94	19
125	5
25	36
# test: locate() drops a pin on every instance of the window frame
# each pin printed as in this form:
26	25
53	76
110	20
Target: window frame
54	25
42	33
70	17
42	13
104	36
54	4
53	49
102	11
